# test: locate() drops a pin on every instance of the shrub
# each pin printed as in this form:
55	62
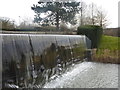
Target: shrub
93	32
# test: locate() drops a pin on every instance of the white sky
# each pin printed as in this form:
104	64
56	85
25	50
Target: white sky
15	8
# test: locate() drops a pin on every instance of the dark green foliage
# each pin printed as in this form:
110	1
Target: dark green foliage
56	12
93	32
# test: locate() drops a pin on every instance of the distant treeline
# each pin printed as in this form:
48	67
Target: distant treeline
47	28
18	29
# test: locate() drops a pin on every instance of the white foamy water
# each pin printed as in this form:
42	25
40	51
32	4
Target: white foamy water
87	75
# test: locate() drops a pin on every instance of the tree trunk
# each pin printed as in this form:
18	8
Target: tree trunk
101	21
57	21
81	20
93	14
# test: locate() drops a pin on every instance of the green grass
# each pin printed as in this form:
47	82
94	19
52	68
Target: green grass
109	42
108	50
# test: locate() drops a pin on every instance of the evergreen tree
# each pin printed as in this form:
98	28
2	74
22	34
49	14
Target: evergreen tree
56	12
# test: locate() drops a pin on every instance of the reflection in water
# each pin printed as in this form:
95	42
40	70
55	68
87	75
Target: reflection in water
29	61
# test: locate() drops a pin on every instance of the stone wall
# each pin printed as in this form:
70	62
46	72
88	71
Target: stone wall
112	32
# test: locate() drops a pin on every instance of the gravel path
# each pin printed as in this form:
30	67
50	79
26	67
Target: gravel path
87	75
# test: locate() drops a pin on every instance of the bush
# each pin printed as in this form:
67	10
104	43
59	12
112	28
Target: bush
93	32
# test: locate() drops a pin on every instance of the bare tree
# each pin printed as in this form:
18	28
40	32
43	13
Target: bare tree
101	18
92	13
92	9
6	23
26	23
88	14
94	16
82	12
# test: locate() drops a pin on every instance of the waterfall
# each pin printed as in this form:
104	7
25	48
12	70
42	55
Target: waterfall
31	60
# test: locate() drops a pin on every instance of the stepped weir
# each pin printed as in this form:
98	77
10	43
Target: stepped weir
31	60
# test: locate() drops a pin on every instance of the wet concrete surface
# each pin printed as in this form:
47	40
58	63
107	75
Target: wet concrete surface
87	75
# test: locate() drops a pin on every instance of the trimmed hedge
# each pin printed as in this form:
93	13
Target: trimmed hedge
93	32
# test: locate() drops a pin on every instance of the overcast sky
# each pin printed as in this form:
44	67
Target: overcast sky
19	10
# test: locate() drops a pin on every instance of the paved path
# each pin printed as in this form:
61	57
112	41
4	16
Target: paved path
87	75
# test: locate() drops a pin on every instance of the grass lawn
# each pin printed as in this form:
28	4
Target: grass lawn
107	50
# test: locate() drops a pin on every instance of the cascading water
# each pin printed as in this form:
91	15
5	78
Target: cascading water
29	61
